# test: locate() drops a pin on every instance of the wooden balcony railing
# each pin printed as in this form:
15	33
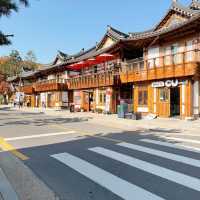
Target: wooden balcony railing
102	79
27	89
50	85
168	66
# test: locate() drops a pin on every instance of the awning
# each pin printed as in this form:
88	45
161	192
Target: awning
105	57
92	61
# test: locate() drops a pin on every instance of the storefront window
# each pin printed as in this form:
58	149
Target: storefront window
190	51
153	57
143	96
101	98
104	97
163	94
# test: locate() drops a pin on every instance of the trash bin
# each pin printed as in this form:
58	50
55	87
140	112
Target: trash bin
119	112
138	115
72	108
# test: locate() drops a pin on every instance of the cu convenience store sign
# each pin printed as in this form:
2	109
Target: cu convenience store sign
167	83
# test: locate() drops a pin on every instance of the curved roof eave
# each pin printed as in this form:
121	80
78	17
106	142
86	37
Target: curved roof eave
178	8
163	30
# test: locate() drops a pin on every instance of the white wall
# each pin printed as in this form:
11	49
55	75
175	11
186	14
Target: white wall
196	98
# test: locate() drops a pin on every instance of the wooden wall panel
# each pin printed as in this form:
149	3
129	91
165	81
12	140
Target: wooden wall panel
150	98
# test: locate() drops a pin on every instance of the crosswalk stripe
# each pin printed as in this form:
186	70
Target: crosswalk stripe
107	180
171	156
188	135
165	173
171	145
184	140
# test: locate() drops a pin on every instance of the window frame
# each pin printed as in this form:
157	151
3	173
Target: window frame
164	94
143	96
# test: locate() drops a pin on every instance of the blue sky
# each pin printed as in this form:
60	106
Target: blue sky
70	25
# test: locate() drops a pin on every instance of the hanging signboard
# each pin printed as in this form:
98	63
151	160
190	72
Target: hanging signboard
65	98
108	100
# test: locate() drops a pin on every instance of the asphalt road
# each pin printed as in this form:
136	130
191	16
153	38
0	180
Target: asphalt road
80	160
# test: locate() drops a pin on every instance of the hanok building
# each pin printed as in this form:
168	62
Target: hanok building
45	87
156	71
166	79
97	86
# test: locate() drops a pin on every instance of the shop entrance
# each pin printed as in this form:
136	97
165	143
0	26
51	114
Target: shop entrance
91	97
175	101
88	100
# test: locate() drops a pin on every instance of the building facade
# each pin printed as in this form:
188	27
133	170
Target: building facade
153	72
166	79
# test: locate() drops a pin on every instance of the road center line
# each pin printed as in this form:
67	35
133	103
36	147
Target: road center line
107	180
165	173
8	147
38	136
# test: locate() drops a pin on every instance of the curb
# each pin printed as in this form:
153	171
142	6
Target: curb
125	124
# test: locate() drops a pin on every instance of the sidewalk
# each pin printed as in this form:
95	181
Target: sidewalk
6	190
159	124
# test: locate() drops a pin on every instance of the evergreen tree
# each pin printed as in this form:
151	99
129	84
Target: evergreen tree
6	8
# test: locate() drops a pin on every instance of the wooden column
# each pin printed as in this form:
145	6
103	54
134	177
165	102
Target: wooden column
188	100
150	99
155	100
33	100
135	101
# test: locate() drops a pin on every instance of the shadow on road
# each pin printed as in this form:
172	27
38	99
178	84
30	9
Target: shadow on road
63	181
38	119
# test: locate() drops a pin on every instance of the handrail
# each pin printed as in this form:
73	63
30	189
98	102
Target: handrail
139	65
60	80
93	74
92	80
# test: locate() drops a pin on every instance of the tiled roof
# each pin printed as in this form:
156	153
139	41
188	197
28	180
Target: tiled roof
158	32
112	32
135	34
189	12
182	9
195	5
94	51
27	74
176	7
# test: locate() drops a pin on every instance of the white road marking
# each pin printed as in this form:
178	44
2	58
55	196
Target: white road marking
172	145
38	136
171	156
184	140
165	173
189	135
107	180
172	134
